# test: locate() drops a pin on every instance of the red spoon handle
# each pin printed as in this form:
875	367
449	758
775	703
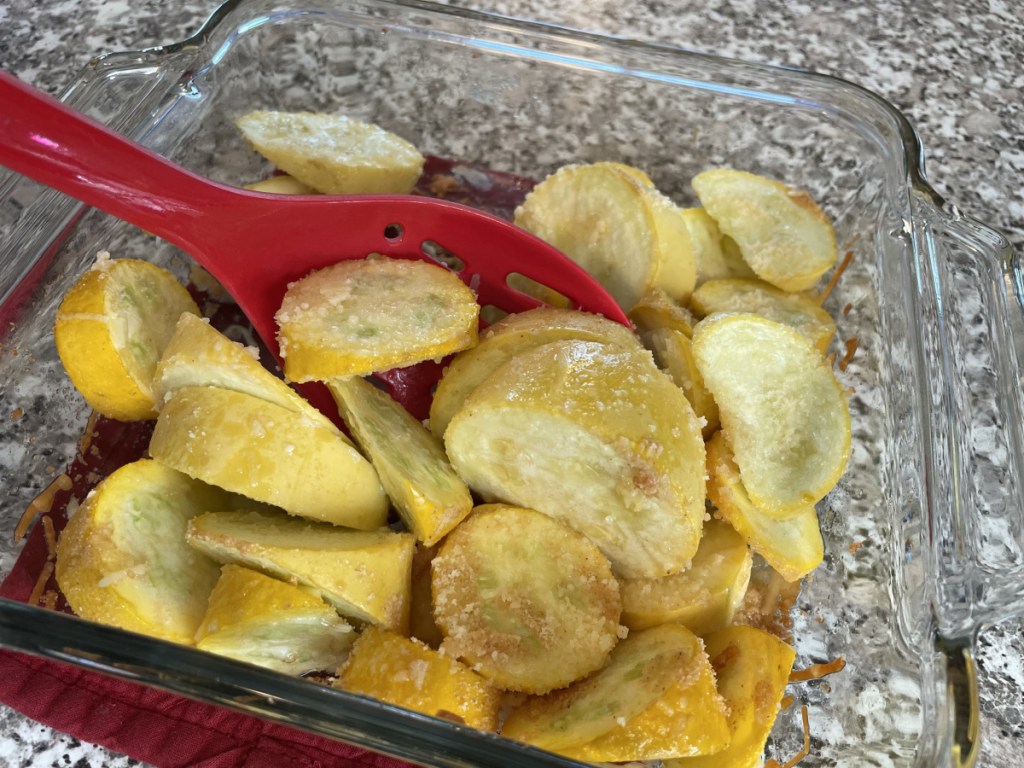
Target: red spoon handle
57	146
255	244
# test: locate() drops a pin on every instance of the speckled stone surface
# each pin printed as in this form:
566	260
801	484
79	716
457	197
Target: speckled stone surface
955	68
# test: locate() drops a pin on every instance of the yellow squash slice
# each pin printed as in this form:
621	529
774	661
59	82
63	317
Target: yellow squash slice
783	413
753	669
111	329
405	672
689	718
782	234
704	597
262	620
617	227
597	437
507	338
524	600
123	560
268	453
759	298
334	154
281	185
665	328
673	352
630	171
717	255
198	355
363	574
654	698
656	309
357	317
410	461
421	602
793	547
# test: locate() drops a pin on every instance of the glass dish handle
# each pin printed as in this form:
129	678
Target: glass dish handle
976	284
974	289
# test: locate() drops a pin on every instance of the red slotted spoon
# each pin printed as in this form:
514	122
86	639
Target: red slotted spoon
256	243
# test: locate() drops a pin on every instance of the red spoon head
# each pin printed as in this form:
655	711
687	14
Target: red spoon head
272	241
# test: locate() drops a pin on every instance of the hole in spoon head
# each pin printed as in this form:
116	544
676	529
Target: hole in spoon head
442	256
490	314
393	232
520	282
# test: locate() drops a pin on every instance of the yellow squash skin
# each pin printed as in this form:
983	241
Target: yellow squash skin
265	621
407	673
111	329
268	453
123	560
507	338
364	574
753	669
410	461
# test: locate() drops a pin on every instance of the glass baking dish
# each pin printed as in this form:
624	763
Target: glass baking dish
924	534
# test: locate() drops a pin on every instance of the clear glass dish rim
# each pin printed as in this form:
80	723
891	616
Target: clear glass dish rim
912	148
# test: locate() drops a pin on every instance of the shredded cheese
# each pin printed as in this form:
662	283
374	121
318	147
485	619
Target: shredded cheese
40	585
41	504
851	347
804	752
51	537
847	258
816	671
90	430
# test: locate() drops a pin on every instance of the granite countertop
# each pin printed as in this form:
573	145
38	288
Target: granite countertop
955	68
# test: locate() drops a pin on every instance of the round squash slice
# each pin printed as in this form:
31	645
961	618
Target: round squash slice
597	437
334	154
783	413
524	600
357	317
781	233
616	226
